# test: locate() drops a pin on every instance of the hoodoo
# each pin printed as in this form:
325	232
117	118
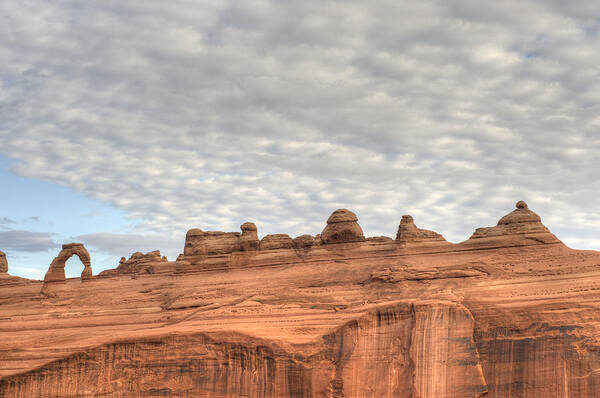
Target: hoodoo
342	227
249	238
408	232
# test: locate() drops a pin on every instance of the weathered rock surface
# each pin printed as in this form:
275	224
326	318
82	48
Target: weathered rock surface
138	263
3	263
342	227
249	239
520	221
506	315
56	271
276	241
304	241
408	232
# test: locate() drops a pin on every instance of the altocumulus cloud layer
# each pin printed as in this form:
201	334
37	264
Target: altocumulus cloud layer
210	113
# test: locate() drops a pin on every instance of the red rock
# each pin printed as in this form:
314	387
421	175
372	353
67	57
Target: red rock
303	241
521	223
513	314
249	239
408	232
56	271
138	263
276	241
3	263
342	227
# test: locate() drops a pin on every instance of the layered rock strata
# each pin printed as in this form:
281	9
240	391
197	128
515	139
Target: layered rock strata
511	315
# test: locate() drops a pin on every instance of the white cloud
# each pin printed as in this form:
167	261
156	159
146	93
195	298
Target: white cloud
212	113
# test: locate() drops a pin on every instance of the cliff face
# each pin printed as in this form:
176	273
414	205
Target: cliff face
511	312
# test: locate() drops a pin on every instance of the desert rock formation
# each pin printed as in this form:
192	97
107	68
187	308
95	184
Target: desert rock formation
510	312
408	232
276	241
249	239
342	227
56	271
3	263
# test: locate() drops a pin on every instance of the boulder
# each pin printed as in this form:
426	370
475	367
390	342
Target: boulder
408	232
276	241
342	227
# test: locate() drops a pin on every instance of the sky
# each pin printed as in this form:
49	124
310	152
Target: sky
123	124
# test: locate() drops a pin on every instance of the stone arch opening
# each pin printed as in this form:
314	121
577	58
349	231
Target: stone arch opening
56	271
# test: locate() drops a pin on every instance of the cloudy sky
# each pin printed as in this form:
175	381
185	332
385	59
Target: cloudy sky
123	124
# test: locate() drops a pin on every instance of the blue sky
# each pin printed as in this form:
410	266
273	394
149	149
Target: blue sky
123	124
35	206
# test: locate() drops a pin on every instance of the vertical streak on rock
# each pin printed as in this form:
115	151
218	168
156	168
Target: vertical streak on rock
446	361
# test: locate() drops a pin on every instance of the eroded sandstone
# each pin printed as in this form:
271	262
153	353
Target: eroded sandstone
56	271
511	312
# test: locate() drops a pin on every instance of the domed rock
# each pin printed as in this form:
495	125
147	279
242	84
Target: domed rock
303	241
408	232
3	263
276	241
342	227
249	239
518	222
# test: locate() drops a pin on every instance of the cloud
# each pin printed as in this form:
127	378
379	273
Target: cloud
26	241
123	245
212	113
5	221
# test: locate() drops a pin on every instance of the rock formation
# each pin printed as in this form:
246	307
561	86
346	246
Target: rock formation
521	222
249	238
138	263
56	271
303	241
510	313
3	263
408	232
342	227
276	241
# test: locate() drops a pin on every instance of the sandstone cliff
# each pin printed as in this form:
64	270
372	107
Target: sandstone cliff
510	312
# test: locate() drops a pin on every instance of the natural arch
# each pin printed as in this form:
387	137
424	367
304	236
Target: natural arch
56	271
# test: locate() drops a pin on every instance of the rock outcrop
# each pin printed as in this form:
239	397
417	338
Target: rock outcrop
3	263
56	271
276	241
304	241
512	314
249	239
519	222
138	263
408	232
201	243
342	227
